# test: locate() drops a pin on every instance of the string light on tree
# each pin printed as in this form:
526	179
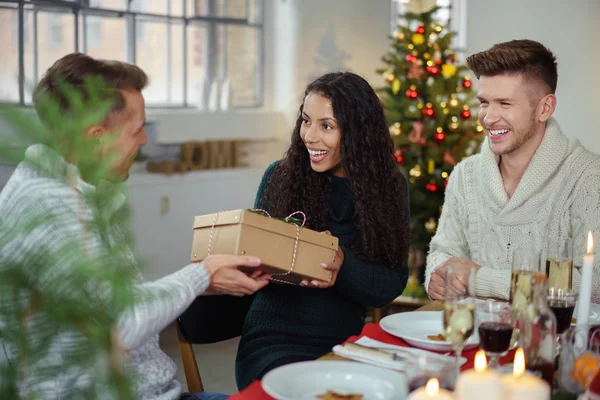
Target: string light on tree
438	28
453	101
431	226
399	36
454	124
416	172
396	129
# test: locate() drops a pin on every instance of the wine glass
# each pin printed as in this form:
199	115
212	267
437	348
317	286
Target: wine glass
459	307
562	303
496	324
525	264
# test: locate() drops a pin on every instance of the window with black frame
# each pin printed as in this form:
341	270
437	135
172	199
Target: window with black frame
184	46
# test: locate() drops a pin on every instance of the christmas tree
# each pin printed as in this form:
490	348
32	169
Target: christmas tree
87	303
427	101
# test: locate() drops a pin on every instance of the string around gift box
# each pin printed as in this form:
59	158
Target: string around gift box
286	219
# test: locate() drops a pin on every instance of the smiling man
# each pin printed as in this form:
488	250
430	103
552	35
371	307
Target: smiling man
530	185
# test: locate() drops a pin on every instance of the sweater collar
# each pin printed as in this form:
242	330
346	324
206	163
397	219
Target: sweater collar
50	162
548	158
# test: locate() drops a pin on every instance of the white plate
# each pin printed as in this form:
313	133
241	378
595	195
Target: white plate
308	379
414	327
594	314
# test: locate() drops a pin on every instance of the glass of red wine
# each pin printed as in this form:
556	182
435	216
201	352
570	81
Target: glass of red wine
496	324
562	303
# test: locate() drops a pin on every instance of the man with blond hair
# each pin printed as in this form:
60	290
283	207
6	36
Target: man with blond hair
530	186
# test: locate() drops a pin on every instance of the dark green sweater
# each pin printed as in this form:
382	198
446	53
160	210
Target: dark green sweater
286	320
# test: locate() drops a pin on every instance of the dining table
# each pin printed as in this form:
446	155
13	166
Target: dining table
374	331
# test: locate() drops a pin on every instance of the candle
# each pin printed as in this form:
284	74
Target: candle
519	386
585	290
431	392
479	383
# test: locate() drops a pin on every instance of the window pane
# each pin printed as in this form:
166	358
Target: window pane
151	6
56	38
109	4
243	64
151	51
177	7
175	94
9	67
196	62
106	37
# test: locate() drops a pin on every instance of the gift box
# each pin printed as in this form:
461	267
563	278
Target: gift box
289	252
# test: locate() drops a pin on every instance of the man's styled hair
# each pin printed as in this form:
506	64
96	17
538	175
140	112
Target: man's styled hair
75	71
529	58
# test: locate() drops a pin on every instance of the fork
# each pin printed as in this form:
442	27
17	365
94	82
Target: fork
377	352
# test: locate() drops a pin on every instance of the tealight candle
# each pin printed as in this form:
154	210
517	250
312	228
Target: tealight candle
431	392
479	383
519	386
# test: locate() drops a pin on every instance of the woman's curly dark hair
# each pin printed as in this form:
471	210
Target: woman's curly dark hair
367	157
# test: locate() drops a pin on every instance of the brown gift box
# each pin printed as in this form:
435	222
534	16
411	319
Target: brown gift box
243	232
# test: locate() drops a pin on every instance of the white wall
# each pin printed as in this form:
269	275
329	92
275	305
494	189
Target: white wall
571	30
307	38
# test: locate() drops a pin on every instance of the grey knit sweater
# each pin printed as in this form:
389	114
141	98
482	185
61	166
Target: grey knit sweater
31	190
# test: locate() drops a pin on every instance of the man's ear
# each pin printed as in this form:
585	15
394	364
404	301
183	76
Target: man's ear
547	107
95	131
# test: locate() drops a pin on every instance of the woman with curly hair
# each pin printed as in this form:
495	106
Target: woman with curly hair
341	172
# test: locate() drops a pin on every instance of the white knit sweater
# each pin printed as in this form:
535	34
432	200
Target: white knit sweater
558	197
31	191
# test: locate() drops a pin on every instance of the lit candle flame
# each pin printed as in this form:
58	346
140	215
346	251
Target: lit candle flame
590	243
480	361
519	363
433	387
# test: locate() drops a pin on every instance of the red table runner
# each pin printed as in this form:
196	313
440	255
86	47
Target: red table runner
374	331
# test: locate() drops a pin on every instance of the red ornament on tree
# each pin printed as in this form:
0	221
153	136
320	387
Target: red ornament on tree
411	58
465	114
433	70
428	111
445	183
412	93
466	83
439	136
431	187
398	156
420	29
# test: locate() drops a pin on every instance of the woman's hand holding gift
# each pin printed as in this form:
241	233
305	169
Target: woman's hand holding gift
334	267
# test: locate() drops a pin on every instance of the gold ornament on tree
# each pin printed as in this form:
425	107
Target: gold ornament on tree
431	225
418	39
396	86
448	70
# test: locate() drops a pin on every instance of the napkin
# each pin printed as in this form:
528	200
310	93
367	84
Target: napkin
398	365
